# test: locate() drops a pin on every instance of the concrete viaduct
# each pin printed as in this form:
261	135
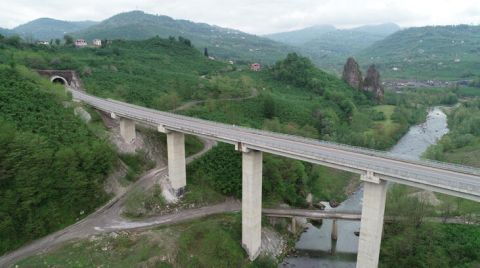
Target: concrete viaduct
375	168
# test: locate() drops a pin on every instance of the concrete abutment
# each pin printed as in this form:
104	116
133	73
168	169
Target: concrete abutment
127	130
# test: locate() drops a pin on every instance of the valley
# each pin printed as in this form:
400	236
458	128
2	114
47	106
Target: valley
74	193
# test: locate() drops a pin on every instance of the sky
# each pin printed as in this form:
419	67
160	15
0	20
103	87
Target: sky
254	16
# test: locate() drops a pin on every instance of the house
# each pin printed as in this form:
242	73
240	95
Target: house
255	67
45	43
97	42
80	43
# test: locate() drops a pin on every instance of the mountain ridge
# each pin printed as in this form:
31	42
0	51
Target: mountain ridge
48	28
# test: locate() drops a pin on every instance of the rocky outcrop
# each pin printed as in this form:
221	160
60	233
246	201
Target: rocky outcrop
352	74
372	83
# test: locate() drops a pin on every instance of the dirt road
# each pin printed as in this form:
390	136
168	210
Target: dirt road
108	218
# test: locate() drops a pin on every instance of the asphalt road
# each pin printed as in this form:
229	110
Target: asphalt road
451	179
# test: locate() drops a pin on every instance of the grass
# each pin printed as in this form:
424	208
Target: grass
468	91
332	184
387	123
209	242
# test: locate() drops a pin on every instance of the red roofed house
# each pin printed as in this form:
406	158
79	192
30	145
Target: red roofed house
80	43
255	67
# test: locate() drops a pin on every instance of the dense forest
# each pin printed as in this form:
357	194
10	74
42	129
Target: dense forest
52	167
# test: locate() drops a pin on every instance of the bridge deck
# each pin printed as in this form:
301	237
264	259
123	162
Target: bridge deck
446	178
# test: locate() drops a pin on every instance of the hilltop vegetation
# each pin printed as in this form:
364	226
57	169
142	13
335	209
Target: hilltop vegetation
299	37
52	166
157	73
328	47
221	42
47	29
433	52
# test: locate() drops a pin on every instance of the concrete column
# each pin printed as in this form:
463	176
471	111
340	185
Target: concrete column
176	161
371	226
252	202
127	130
334	235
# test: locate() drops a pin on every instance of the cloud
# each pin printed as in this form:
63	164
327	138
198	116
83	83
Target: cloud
260	16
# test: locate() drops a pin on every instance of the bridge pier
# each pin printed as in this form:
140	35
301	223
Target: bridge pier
252	202
177	173
371	226
127	130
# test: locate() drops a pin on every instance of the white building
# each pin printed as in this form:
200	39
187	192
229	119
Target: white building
46	43
97	42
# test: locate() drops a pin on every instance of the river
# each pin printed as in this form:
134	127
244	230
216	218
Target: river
315	247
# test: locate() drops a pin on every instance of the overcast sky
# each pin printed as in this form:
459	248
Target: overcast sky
254	16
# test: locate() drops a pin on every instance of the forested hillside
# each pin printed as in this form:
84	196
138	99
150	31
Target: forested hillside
221	42
47	28
329	47
52	167
433	52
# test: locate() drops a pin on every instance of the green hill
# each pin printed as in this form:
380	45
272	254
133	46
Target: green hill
335	47
433	52
299	37
221	42
46	28
328	46
6	32
52	166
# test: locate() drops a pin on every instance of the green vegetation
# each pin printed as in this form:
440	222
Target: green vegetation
462	144
426	53
137	163
412	241
52	166
430	245
47	29
221	42
209	242
297	98
157	73
284	180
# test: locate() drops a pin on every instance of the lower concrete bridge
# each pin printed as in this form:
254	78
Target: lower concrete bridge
375	168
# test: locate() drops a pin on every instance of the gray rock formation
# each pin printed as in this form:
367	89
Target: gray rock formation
352	74
372	82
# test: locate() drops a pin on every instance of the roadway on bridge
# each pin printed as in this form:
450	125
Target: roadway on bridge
451	179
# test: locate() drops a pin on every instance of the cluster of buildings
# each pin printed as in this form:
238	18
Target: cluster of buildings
77	43
84	43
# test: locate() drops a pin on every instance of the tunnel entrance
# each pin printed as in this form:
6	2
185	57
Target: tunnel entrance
59	80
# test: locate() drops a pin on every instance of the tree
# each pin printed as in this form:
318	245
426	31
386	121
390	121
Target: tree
68	40
57	42
205	52
269	107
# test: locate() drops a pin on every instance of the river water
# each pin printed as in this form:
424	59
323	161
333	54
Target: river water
315	247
